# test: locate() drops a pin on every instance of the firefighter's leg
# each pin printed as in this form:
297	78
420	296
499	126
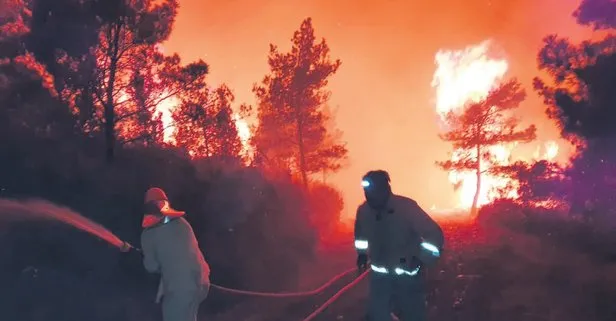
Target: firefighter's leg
410	298
197	300
182	306
379	297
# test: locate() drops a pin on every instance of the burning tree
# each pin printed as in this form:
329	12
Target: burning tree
204	124
108	66
292	131
481	126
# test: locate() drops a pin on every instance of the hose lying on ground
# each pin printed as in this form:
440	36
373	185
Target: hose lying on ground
335	297
286	294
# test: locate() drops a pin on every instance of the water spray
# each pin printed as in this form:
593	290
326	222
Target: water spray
43	210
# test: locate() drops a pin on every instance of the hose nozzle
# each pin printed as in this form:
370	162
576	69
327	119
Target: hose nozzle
125	247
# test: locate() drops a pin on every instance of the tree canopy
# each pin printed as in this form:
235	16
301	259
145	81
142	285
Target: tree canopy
292	132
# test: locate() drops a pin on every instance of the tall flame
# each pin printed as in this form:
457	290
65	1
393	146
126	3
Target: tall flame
243	131
464	76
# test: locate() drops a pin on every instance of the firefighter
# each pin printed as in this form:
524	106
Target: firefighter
398	240
170	248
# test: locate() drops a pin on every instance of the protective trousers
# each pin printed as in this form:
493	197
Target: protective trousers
405	294
183	306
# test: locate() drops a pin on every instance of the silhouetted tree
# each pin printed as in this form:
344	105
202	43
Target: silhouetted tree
291	132
205	126
482	125
62	32
154	80
599	14
580	97
27	93
537	182
111	71
127	28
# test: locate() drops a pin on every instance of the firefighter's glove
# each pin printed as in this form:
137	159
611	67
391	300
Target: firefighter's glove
362	262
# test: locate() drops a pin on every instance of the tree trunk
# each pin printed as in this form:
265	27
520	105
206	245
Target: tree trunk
206	142
478	186
109	133
109	105
302	153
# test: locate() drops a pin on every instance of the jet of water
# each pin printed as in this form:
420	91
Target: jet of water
44	210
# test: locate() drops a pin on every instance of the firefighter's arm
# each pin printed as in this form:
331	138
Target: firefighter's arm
361	239
427	228
150	261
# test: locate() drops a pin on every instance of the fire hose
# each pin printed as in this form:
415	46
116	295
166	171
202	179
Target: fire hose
318	290
321	307
335	297
286	294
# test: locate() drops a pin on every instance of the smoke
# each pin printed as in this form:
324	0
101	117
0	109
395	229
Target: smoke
38	209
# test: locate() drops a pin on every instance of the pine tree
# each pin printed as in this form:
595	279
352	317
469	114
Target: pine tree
205	127
482	125
292	132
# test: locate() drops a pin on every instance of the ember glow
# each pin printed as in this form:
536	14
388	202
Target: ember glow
464	76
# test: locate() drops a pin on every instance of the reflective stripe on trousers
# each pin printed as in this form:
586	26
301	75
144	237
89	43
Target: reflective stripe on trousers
399	293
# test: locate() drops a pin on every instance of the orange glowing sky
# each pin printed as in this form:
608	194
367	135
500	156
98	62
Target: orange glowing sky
387	48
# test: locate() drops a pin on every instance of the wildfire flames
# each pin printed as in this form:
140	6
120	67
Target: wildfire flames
464	76
243	129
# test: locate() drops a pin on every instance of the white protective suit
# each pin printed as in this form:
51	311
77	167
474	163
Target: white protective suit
170	248
393	240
